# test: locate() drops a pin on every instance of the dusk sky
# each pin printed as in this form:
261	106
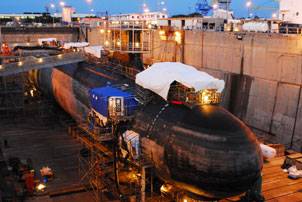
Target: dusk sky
125	6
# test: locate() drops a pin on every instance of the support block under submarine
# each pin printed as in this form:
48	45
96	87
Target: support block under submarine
203	150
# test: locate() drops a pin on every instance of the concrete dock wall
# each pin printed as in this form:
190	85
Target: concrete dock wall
31	35
263	75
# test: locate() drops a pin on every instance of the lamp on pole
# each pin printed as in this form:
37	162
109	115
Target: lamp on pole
53	6
248	4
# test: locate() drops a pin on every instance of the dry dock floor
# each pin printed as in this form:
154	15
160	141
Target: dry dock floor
276	186
46	144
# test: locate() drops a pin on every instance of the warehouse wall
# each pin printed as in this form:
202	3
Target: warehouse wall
263	75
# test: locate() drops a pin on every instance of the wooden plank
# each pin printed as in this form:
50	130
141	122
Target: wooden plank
296	197
281	182
282	191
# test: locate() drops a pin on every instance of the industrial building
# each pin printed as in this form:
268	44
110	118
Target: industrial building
148	107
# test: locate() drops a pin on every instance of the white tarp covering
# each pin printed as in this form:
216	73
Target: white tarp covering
94	50
160	76
40	41
255	26
75	45
267	151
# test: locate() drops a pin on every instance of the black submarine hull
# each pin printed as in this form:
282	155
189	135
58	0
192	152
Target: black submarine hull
205	151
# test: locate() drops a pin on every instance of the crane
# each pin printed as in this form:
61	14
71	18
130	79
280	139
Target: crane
203	7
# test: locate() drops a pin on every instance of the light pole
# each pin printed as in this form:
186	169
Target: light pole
53	6
248	4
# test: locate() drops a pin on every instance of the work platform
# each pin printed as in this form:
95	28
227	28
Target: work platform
33	63
276	186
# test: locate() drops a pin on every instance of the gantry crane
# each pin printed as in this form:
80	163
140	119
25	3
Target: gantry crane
204	7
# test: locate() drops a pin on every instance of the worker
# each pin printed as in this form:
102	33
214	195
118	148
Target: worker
5	50
5	142
255	193
28	177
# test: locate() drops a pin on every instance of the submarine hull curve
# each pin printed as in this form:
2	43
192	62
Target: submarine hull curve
205	151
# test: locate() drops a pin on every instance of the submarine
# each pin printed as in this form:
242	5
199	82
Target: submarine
203	150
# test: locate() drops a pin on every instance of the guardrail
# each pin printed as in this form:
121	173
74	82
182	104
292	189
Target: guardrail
31	63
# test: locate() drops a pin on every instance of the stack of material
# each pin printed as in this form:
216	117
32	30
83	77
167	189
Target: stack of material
46	171
96	51
267	151
40	41
293	165
75	45
280	149
159	77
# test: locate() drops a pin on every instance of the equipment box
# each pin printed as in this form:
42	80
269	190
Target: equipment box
112	102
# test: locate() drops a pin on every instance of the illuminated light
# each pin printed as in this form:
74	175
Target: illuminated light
89	1
62	3
60	56
215	6
41	187
236	29
52	6
210	96
118	43
137	22
162	32
1	67
175	102
165	188
27	44
40	60
185	200
248	4
109	31
107	43
274	15
149	26
102	31
178	37
137	45
20	63
31	93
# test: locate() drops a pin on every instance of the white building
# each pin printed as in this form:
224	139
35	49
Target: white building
67	12
192	23
148	16
291	11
